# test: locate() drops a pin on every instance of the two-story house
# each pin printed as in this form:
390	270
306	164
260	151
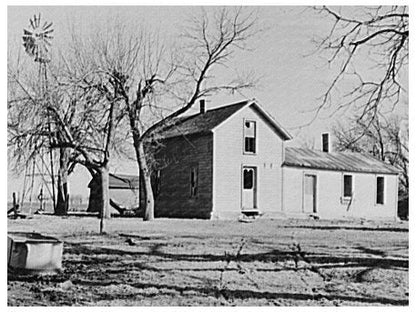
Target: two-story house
231	160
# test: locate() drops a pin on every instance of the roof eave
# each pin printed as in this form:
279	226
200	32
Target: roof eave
278	127
287	164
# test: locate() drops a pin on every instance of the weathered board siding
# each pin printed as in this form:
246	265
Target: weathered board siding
180	155
229	160
329	193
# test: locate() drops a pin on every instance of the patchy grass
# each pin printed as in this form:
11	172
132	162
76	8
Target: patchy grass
195	262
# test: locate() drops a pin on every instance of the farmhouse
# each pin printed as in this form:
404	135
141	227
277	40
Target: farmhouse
232	160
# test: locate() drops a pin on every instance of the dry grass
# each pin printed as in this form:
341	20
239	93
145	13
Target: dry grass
195	262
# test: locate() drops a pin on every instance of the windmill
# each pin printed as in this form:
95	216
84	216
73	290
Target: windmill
37	40
37	43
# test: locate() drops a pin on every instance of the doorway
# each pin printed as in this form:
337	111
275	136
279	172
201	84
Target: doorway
309	193
249	196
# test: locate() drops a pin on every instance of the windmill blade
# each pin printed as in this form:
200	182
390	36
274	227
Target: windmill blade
47	26
32	24
48	32
37	20
48	42
27	32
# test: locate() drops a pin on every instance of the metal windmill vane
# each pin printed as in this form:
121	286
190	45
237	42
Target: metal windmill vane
37	39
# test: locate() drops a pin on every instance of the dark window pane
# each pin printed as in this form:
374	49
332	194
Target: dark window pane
347	185
248	179
325	142
194	181
250	145
380	190
156	183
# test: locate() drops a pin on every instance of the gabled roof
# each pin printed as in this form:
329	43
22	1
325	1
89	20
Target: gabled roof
345	161
204	123
120	182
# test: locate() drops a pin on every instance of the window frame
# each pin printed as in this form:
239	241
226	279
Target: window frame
347	199
193	187
156	182
244	137
384	190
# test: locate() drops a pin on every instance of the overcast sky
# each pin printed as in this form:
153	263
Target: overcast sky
293	80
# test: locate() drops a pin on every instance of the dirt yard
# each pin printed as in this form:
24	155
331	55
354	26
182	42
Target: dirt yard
212	263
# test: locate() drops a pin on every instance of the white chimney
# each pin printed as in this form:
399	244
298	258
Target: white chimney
202	106
326	143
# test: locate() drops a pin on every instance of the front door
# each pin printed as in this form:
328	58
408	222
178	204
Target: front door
309	193
249	188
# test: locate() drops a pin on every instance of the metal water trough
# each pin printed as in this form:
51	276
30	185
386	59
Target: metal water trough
33	253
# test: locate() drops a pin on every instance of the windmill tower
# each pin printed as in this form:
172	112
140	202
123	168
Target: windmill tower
37	43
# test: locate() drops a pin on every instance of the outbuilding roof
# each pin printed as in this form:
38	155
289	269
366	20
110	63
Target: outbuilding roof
121	182
340	161
205	122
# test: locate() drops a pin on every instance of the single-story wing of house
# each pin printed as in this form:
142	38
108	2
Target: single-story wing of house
232	160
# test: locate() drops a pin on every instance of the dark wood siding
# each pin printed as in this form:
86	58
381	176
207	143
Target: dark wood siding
179	156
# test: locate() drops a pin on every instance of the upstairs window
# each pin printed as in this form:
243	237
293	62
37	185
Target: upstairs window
347	187
250	137
380	191
194	181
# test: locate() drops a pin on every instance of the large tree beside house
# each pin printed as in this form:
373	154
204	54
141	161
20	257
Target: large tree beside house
155	86
75	119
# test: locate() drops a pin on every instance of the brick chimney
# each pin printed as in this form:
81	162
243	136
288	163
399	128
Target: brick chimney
202	106
326	143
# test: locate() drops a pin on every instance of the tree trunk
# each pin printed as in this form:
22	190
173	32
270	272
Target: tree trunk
99	199
145	181
63	196
105	192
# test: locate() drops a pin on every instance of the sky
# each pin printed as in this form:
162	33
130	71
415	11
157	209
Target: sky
294	77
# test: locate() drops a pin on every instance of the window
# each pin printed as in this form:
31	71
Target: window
248	179
249	137
325	142
380	191
347	189
156	183
194	181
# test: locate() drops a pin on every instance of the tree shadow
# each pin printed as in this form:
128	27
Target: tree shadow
342	227
230	294
276	255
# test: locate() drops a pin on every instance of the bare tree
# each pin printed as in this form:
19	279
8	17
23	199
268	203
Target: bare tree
369	46
384	138
29	130
82	123
157	87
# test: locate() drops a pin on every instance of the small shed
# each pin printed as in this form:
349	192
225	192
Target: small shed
124	190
